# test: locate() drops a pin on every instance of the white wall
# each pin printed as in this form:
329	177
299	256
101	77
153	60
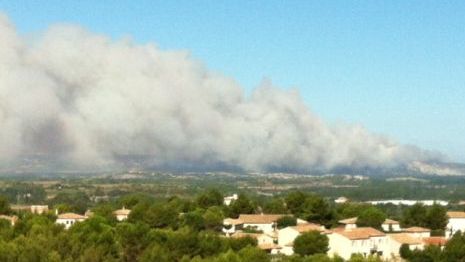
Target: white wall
67	222
266	228
395	227
286	236
345	247
454	225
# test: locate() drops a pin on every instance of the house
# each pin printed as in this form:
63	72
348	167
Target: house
69	219
435	241
340	200
419	232
39	209
390	225
265	223
349	223
264	241
122	214
396	240
11	219
286	236
364	240
387	226
456	222
231	225
228	199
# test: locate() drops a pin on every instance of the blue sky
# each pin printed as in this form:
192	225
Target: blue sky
396	67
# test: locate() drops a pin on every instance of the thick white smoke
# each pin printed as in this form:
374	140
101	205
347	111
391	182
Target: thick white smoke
85	100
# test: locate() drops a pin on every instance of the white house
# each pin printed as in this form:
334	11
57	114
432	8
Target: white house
396	240
456	222
340	200
69	219
11	219
39	209
265	223
122	214
387	226
363	240
349	223
286	236
228	199
231	225
264	241
419	232
390	225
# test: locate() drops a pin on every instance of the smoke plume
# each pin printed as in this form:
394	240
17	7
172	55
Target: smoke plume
85	100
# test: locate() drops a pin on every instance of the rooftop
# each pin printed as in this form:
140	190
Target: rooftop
404	238
416	230
359	233
122	212
456	214
71	216
435	241
260	219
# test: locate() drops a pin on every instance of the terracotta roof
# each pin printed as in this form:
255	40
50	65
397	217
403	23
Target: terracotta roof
359	233
260	219
232	221
416	230
456	214
404	238
122	212
390	222
70	216
436	241
351	220
308	227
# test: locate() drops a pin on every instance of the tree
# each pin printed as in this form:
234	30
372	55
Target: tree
371	217
405	251
4	206
455	248
213	218
253	254
316	209
294	202
211	197
275	206
414	216
310	243
436	217
286	221
242	205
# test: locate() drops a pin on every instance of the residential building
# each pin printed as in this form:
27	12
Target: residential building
419	232
265	223
364	240
264	241
39	209
122	214
390	225
69	219
387	226
228	199
11	219
286	236
231	225
396	240
349	223
341	200
455	223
